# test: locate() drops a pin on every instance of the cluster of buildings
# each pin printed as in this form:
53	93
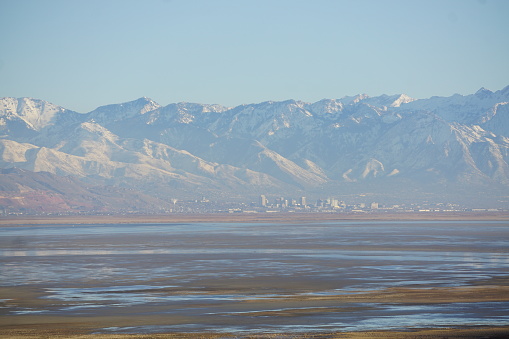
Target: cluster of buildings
301	203
281	204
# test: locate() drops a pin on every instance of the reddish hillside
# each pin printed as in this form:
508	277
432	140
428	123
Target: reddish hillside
43	192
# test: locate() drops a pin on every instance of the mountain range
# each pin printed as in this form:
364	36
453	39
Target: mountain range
390	148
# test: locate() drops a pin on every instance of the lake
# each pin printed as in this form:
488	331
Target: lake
251	278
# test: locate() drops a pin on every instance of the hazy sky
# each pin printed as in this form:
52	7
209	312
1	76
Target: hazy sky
85	53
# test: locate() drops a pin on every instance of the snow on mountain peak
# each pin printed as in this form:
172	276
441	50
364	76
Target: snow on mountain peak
483	93
116	112
186	113
347	100
36	113
148	104
288	143
379	101
360	97
402	99
326	107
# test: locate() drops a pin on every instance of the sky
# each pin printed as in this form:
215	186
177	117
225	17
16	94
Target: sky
82	54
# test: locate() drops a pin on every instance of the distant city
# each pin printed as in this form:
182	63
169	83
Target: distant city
264	204
335	205
304	205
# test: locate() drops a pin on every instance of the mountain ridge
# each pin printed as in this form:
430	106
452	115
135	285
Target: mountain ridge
332	146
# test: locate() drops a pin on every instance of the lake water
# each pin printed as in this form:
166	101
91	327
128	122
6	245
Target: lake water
244	278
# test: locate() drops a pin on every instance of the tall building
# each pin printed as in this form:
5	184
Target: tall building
263	201
333	202
303	201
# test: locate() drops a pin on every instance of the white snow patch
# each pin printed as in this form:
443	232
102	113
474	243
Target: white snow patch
346	177
373	167
393	172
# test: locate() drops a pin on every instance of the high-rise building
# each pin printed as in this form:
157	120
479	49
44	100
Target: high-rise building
303	201
263	201
333	202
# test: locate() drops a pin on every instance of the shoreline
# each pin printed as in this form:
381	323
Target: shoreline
281	217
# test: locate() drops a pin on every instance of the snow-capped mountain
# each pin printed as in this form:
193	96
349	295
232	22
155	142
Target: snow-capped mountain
441	146
469	109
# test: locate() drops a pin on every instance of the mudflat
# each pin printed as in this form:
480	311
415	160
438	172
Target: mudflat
246	217
278	308
345	279
69	332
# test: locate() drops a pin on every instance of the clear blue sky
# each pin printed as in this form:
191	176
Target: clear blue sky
85	53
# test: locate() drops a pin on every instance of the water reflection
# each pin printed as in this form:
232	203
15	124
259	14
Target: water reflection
210	272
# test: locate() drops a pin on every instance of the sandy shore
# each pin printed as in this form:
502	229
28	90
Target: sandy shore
247	218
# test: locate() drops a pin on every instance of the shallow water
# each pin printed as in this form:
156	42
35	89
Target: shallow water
216	277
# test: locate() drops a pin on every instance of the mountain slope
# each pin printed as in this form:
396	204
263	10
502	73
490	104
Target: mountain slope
43	192
289	147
